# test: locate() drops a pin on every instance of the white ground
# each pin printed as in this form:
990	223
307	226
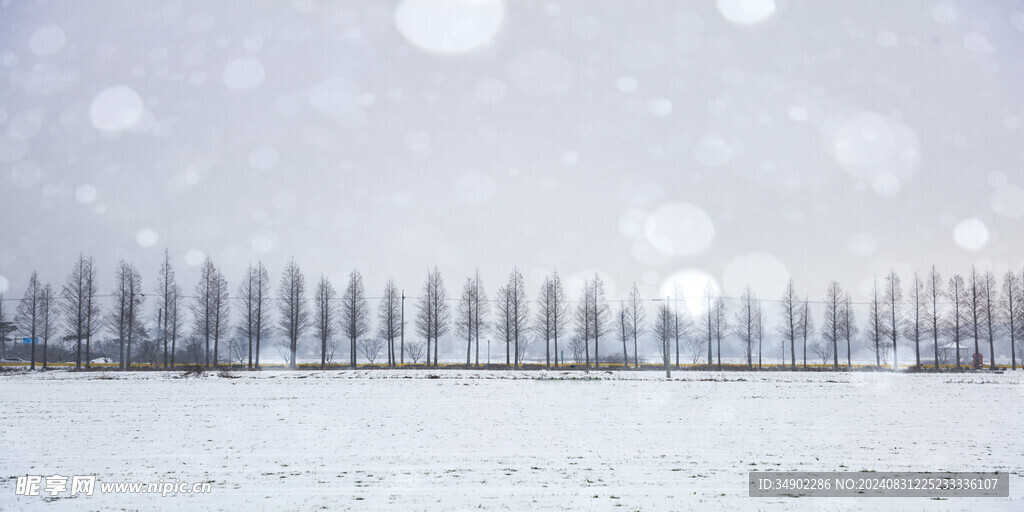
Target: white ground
398	440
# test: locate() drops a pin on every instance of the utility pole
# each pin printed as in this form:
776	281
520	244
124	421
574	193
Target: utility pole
668	369
402	332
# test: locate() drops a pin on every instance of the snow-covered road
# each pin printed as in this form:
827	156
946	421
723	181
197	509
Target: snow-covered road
498	440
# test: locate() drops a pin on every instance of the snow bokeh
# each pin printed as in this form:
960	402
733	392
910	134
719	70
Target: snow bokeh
971	234
244	73
689	288
146	238
1008	201
194	257
85	193
746	12
876	149
449	26
47	40
766	275
749	141
679	228
116	109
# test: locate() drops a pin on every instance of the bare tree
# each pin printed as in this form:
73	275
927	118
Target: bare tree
77	305
401	332
552	315
355	313
790	325
203	306
6	328
849	326
324	316
1011	311
177	319
519	311
513	316
480	306
876	328
93	321
465	316
824	351
894	313
221	313
578	347
165	289
247	311
48	316
237	350
523	348
425	316
416	351
933	308
636	315
831	327
284	349
544	318
960	319
254	307
294	319
389	321
989	304
622	328
721	324
370	348
806	325
432	319
977	317
682	325
470	316
123	319
194	349
746	323
583	327
29	314
1020	323
663	331
600	315
759	330
695	346
708	322
916	326
439	303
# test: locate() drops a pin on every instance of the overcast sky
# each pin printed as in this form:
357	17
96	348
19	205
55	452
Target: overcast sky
656	141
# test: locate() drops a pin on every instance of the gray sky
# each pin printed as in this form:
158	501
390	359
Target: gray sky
748	140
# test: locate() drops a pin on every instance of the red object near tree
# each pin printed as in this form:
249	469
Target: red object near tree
979	360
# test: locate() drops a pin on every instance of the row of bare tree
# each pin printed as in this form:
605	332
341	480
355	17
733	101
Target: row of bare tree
931	310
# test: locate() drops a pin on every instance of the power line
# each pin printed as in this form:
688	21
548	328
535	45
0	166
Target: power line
683	299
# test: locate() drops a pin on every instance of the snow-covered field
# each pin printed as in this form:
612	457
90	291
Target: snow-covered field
455	440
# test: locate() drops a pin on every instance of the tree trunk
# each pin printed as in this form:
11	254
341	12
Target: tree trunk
849	362
805	349
792	352
556	347
636	357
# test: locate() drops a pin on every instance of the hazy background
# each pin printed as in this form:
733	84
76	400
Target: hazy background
656	141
